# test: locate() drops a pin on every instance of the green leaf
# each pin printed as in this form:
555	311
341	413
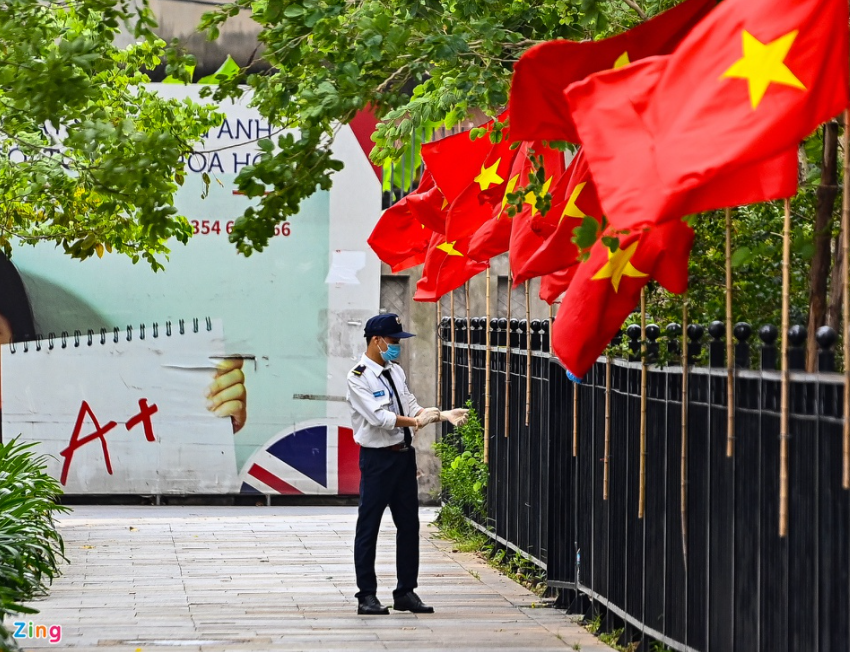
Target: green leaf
228	70
741	256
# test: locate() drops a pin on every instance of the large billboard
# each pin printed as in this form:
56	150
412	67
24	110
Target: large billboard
291	317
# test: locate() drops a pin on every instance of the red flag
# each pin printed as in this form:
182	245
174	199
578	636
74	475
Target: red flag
537	103
493	237
427	205
399	239
445	269
750	81
552	286
606	288
573	199
525	239
455	160
476	204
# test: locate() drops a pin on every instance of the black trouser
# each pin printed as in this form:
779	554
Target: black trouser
387	479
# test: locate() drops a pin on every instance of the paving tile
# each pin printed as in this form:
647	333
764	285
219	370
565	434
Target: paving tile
226	579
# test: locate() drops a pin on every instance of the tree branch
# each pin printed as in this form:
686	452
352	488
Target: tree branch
634	5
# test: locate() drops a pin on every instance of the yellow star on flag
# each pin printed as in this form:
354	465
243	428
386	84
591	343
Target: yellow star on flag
449	248
571	210
510	188
763	64
619	265
622	60
489	176
531	198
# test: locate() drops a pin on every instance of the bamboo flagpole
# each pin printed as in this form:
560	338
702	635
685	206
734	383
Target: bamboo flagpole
508	363
487	376
605	466
683	470
468	346
643	376
783	424
845	274
454	351
730	355
439	356
528	354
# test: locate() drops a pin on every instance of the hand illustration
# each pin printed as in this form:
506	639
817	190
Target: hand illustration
226	395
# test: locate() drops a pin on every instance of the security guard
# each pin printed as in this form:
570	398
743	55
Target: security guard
385	415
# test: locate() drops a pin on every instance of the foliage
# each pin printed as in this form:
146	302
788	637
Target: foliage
91	158
414	62
417	63
463	475
30	546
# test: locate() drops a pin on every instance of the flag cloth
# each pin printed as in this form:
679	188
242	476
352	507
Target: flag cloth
493	236
545	70
748	83
455	160
525	240
606	288
399	239
427	205
476	204
445	270
573	199
552	286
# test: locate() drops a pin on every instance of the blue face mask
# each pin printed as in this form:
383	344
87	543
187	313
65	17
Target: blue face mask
392	352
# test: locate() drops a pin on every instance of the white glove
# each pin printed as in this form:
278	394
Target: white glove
427	416
456	417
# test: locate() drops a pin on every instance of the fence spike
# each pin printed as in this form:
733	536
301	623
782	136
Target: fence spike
508	361
528	358
643	370
606	460
683	496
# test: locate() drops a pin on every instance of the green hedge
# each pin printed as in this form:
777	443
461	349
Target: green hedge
464	475
30	546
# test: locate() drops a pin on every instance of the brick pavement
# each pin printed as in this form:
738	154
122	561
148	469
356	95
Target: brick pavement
274	578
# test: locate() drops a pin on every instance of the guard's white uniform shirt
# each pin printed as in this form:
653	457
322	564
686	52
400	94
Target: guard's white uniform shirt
373	406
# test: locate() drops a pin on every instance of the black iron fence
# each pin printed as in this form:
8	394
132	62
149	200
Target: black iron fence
704	568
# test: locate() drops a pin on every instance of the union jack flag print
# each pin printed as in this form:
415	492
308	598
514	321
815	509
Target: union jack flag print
310	459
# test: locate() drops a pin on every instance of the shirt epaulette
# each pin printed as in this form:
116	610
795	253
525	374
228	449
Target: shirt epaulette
359	369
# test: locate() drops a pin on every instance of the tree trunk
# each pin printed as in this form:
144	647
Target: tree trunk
826	195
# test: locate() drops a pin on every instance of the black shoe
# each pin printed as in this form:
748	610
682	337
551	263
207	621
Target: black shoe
370	606
411	602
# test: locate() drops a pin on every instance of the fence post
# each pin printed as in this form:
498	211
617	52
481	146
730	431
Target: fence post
536	342
674	333
544	344
826	338
653	332
742	332
695	333
716	347
768	334
633	333
796	351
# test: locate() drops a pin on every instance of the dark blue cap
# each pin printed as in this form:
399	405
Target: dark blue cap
387	324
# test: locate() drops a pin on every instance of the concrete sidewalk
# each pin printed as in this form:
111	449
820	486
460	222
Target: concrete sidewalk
274	578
